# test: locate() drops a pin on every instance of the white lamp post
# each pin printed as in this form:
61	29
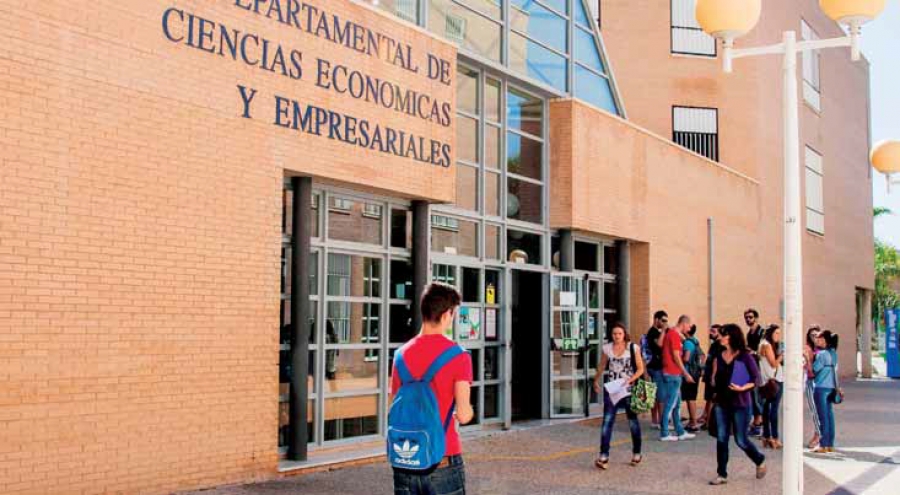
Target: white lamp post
730	19
885	158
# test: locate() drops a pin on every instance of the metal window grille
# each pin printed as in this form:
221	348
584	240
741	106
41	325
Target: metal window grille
697	129
408	10
455	28
815	193
687	36
811	70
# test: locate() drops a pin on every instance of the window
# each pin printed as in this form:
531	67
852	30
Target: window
811	72
815	194
697	129
687	36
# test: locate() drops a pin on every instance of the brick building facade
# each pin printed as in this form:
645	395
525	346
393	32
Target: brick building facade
152	152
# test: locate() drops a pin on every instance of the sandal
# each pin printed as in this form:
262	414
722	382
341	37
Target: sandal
636	459
602	463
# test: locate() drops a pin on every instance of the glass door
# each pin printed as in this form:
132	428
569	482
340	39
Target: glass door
569	369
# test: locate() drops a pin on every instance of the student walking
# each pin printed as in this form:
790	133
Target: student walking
809	356
694	359
621	360
674	372
825	368
755	334
771	360
651	344
734	375
423	443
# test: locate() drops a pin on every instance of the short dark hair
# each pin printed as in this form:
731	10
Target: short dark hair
660	314
616	325
438	299
716	326
693	330
683	319
735	336
752	311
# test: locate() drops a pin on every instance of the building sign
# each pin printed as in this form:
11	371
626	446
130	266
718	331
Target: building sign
344	81
891	348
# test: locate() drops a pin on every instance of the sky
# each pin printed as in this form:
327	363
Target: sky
881	45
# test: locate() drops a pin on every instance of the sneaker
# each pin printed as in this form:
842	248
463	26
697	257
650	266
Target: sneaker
687	436
718	481
654	426
670	438
761	471
691	429
756	431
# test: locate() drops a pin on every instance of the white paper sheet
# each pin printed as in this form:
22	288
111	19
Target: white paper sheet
617	390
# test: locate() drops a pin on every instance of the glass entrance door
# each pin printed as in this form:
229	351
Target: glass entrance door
569	360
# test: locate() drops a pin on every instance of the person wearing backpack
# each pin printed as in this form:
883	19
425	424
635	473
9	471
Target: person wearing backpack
694	360
430	386
651	344
621	360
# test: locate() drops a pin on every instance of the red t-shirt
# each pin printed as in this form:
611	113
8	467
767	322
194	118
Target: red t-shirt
672	342
418	354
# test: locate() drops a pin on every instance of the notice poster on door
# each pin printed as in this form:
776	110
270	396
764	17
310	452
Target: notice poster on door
490	324
468	323
568	299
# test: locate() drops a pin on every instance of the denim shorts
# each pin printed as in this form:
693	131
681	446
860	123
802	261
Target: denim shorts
450	480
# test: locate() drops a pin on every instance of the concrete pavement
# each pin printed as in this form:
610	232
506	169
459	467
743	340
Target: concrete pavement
559	460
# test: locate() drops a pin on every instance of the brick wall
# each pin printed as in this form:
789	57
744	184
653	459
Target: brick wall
140	235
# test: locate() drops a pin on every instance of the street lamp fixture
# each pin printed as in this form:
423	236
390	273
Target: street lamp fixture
728	20
885	158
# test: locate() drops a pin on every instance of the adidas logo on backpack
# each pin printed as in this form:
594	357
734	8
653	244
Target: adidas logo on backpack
415	436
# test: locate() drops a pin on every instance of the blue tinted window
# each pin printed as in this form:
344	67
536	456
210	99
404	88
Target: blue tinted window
581	16
586	50
539	23
524	112
594	89
537	62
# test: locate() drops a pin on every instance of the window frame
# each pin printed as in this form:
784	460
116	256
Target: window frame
810	211
716	143
673	28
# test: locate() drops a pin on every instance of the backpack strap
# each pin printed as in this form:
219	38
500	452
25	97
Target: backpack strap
444	358
449	416
402	369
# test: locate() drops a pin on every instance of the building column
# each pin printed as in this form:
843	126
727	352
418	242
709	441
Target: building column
300	245
866	322
623	280
421	229
566	251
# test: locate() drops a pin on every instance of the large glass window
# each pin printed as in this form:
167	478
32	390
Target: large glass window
473	25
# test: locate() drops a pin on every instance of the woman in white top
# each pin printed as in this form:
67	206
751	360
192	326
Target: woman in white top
620	360
771	367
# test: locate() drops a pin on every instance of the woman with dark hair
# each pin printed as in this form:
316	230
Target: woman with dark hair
771	361
809	355
621	360
735	374
825	368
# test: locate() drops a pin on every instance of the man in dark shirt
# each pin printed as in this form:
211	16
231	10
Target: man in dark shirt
714	350
652	348
755	334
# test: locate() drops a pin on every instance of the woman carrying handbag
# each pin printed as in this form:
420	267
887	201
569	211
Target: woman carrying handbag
771	364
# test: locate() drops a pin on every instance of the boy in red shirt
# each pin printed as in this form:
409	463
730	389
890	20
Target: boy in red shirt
452	383
673	373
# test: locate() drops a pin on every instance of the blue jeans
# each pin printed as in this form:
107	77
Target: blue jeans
770	414
450	480
671	399
736	419
825	410
609	420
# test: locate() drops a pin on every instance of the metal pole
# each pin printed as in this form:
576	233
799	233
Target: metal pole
566	251
300	238
866	322
421	227
793	278
710	273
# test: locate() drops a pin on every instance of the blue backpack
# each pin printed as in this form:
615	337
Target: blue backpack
415	434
